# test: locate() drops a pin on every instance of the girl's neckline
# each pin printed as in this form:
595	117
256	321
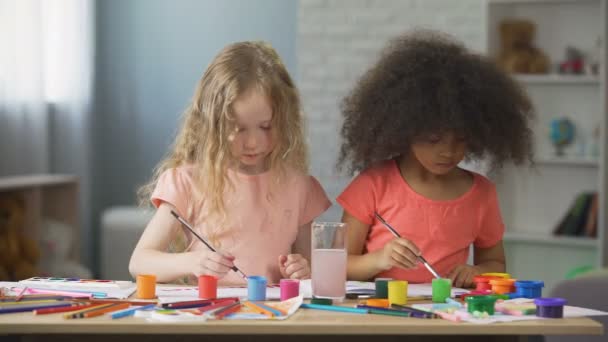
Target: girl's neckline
247	175
464	196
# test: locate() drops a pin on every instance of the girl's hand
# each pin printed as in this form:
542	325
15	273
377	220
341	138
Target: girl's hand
462	275
212	263
398	252
294	266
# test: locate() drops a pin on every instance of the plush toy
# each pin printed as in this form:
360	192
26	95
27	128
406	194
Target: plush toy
57	241
518	54
19	253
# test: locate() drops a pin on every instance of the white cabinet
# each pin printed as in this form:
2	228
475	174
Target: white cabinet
534	201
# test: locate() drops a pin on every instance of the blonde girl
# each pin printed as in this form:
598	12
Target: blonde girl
238	173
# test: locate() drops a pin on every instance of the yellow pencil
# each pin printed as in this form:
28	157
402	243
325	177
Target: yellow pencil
258	309
76	314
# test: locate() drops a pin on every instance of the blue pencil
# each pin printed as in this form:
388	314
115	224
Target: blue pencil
131	311
334	308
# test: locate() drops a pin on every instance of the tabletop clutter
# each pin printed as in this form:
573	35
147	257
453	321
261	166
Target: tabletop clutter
496	298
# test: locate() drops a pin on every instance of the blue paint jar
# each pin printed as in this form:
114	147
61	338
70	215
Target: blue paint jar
550	307
529	288
256	288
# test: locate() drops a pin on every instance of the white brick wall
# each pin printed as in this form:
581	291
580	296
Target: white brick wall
339	39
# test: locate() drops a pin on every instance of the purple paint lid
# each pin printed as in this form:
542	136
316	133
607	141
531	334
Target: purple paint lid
550	301
529	283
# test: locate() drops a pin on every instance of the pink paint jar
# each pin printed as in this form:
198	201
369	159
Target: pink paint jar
289	288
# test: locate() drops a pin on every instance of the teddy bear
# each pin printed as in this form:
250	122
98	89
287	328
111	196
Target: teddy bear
19	252
518	53
57	241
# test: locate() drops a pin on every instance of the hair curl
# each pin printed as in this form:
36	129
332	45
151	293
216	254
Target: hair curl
424	83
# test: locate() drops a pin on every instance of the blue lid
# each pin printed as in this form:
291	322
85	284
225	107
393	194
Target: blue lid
529	283
550	301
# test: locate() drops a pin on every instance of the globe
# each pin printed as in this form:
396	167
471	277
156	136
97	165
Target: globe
561	134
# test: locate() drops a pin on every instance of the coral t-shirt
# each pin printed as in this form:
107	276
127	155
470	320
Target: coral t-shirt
260	224
442	229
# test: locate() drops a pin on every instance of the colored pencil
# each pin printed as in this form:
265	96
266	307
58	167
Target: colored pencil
187	225
411	309
334	308
73	307
275	311
28	302
217	306
101	311
258	309
199	301
21	294
396	234
77	314
114	301
25	308
71	293
221	313
130	311
30	298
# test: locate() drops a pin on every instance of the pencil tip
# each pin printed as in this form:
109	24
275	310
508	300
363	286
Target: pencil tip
174	214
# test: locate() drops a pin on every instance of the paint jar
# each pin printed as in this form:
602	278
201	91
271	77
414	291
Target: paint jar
207	287
442	288
482	283
329	260
550	307
382	287
481	304
397	292
529	288
497	274
146	286
502	286
256	288
289	288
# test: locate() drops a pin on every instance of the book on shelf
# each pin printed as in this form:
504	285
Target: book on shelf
581	217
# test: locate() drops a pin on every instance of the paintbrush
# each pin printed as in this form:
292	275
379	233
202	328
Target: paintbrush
420	257
187	225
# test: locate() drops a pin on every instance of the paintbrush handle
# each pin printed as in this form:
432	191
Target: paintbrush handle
420	257
187	225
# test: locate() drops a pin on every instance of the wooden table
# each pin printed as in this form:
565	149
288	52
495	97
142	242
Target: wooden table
306	324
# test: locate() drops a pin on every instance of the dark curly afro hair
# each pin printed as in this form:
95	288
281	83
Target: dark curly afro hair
427	83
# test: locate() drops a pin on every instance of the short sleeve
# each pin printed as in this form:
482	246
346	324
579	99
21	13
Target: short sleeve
316	202
492	227
358	198
173	187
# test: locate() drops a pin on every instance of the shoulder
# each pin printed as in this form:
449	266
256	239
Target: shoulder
181	175
377	175
483	185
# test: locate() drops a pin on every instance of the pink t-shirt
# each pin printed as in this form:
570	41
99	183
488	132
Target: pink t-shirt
443	230
260	226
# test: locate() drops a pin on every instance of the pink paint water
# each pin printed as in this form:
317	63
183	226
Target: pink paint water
329	273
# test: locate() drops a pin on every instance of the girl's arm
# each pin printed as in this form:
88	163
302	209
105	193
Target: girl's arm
490	259
398	252
297	264
149	256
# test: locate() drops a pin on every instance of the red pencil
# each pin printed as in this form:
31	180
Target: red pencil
77	306
21	294
217	305
219	314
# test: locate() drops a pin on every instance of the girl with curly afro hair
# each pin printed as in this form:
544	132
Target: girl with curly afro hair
428	104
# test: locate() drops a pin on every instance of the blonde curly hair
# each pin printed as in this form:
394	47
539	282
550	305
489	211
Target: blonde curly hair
203	140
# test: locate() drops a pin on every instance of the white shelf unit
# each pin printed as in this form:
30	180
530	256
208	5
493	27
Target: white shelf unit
534	201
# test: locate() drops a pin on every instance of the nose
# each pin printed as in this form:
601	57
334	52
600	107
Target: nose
250	141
